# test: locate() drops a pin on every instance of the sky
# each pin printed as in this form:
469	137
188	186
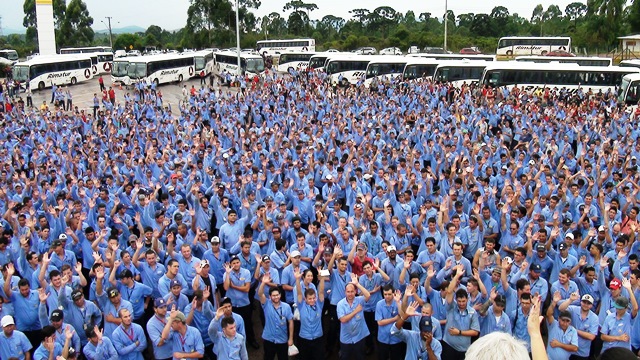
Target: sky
172	14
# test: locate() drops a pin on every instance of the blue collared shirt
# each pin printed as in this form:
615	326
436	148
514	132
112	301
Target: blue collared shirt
568	337
616	327
589	324
416	349
384	312
154	329
228	348
125	342
103	351
189	343
276	322
135	295
151	277
462	320
239	278
310	320
355	329
15	346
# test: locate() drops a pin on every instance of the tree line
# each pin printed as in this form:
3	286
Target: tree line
211	23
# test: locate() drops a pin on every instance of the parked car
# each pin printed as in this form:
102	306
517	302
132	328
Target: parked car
433	50
366	50
470	51
560	53
391	51
120	53
133	53
333	50
413	50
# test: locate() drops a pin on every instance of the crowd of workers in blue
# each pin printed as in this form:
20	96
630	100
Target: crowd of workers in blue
406	219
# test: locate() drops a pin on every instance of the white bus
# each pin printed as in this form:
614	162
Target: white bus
319	60
385	68
629	92
630	63
294	61
580	60
532	45
570	76
203	62
420	68
86	50
347	69
277	47
159	69
250	65
44	71
9	54
482	57
119	70
458	72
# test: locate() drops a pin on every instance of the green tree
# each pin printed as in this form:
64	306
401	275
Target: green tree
299	19
465	20
125	41
155	31
75	28
274	24
633	16
482	25
384	18
606	18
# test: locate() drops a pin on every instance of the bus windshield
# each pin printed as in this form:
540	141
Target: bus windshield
20	73
137	70
9	54
200	63
629	92
255	65
384	69
119	68
317	62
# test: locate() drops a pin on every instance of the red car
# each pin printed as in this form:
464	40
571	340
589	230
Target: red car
470	51
561	53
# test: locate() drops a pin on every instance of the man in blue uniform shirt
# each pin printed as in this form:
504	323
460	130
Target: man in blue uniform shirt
420	345
228	344
353	328
278	318
13	343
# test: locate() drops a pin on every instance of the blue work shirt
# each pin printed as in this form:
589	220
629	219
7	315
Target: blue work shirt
355	329
151	276
384	312
14	346
276	322
228	348
164	282
189	343
27	307
155	325
136	296
238	321
310	320
86	318
239	278
289	279
589	324
568	337
338	284
462	320
616	327
42	353
416	349
109	309
125	342
103	351
202	318
489	323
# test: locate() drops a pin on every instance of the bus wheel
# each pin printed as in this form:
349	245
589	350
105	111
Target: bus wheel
41	85
509	53
180	78
74	81
155	81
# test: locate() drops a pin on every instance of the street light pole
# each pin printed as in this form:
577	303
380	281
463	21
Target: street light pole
238	34
110	34
446	10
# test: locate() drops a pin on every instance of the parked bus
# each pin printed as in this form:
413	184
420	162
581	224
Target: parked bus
482	57
385	68
347	69
86	50
420	68
571	76
44	71
277	47
203	62
460	72
630	63
119	70
319	60
294	60
629	92
10	55
160	69
531	45
250	65
580	60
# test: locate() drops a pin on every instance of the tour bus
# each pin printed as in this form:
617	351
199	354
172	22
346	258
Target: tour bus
420	68
580	60
45	71
159	69
460	71
385	68
482	57
277	47
348	69
630	63
250	65
629	92
319	60
9	54
294	60
532	45
203	62
119	70
86	50
570	76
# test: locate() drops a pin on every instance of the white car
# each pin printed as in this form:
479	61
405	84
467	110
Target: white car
366	50
133	53
332	51
391	51
413	50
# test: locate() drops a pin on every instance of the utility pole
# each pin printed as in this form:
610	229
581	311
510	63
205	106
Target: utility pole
110	34
238	34
446	11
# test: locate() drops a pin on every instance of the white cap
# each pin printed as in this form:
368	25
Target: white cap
391	248
601	228
509	260
62	237
329	177
7	320
225	156
587	297
170	188
531	162
570	236
367	176
295	253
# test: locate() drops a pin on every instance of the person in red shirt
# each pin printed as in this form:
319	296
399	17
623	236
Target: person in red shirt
101	82
112	96
357	257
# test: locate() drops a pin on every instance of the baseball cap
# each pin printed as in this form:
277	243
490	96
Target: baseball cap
391	248
497	269
204	263
295	253
159	302
621	303
567	221
540	247
570	236
265	258
170	188
426	324
587	297
215	239
180	317
500	300
562	246
56	315
76	295
329	177
535	268
126	274
113	292
233	258
175	282
361	246
601	228
62	237
615	284
509	260
7	320
564	315
56	243
328	250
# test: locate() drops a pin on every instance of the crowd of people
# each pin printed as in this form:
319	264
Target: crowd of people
412	220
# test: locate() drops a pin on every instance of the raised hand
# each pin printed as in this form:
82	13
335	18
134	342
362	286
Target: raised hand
574	296
206	293
42	295
68	332
557	296
411	309
266	278
397	295
626	283
354	278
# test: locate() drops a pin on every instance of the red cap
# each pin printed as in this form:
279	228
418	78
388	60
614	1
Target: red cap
615	284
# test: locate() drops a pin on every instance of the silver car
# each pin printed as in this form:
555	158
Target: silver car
366	50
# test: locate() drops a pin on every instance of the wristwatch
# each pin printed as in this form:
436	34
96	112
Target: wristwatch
459	332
